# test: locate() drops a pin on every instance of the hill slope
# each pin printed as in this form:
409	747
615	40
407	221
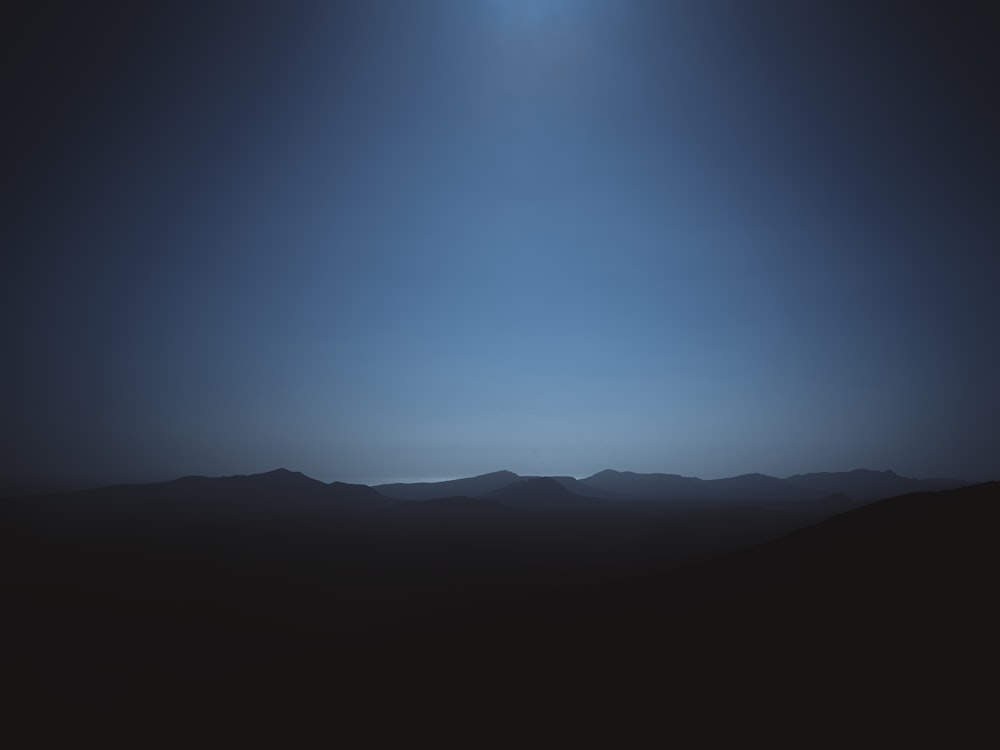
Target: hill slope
884	603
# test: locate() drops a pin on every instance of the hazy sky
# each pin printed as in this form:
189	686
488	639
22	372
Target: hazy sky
383	240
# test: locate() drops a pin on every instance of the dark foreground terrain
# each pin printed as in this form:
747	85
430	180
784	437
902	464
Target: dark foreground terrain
275	597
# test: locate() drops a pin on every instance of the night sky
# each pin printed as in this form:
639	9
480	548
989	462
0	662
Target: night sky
383	241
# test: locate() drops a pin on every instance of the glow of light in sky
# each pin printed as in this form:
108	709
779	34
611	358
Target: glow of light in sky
541	20
399	240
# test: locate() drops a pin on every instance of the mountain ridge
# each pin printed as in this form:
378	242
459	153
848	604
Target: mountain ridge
856	485
859	485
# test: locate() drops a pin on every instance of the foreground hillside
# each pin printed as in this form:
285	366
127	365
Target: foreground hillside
230	603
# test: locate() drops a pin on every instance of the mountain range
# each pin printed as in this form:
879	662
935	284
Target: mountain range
269	592
296	492
860	485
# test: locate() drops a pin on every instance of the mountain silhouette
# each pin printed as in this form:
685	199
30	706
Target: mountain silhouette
760	488
442	508
897	591
467	487
633	486
860	485
540	493
865	484
262	591
231	502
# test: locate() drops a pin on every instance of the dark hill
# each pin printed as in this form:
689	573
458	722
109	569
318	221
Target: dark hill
860	485
444	508
759	488
469	604
629	485
466	487
748	488
195	503
889	605
866	485
540	493
754	489
916	546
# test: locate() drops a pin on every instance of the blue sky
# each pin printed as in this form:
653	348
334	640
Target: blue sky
375	241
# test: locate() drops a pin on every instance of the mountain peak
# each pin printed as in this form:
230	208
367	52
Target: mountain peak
883	472
281	471
607	473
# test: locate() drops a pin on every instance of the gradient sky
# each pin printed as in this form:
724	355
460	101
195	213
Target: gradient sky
397	240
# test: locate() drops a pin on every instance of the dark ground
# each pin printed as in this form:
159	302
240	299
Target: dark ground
474	620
